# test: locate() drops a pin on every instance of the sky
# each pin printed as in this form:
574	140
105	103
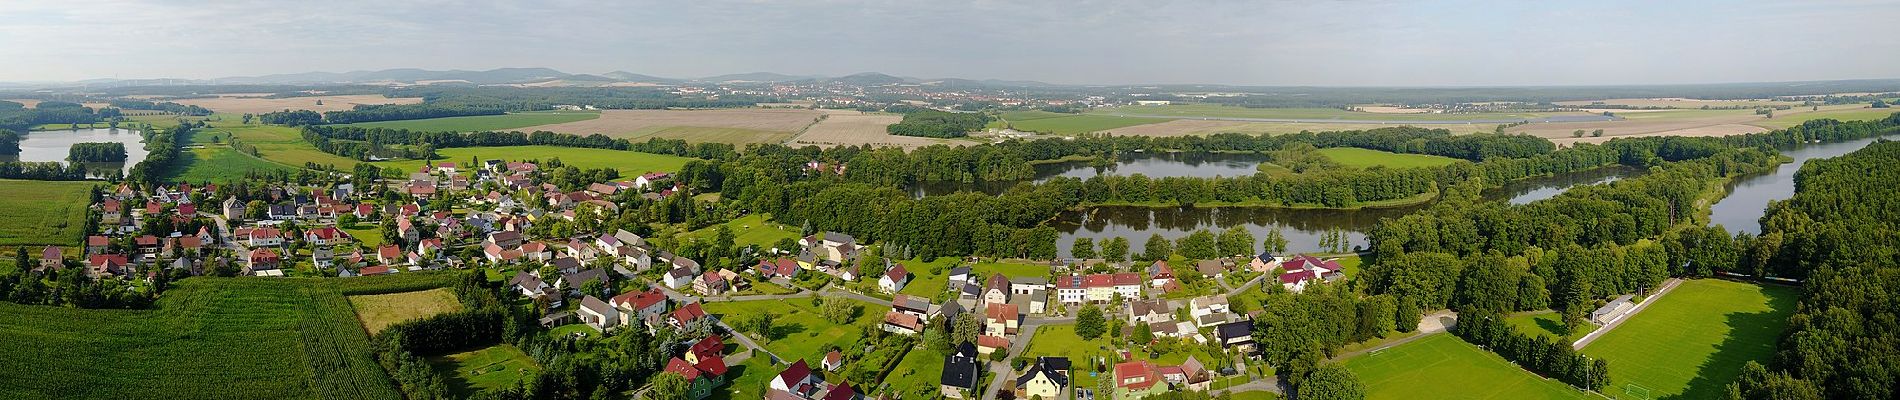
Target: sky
1306	42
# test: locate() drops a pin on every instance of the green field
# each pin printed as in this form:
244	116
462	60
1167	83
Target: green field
1368	158
1548	324
1220	111
1694	340
1441	366
1851	114
748	380
629	163
42	212
236	338
1069	124
754	229
280	144
494	367
484	122
378	311
799	331
918	376
217	163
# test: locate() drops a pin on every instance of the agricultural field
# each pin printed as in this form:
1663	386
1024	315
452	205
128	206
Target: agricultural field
1070	124
217	163
1844	114
1547	323
799	331
1367	158
852	128
629	163
754	229
1220	111
206	337
736	125
498	366
43	212
1692	342
378	311
279	144
1693	122
1204	127
256	103
484	122
1441	366
1677	102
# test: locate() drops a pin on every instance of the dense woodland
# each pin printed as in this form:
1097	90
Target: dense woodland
96	152
164	106
362	143
392	112
9	142
16	117
938	124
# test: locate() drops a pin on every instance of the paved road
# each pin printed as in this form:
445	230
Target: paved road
744	340
1429	324
1661	290
1003	373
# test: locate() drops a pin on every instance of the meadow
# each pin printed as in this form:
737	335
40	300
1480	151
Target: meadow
484	122
754	229
1693	341
1844	114
1221	111
918	375
799	331
494	367
287	338
378	311
1441	366
731	125
629	163
279	144
1204	127
217	163
1069	124
1367	158
43	212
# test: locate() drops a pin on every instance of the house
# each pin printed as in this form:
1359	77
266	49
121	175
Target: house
645	307
578	279
677	278
798	379
1127	284
1100	287
259	237
959	276
894	279
376	270
1160	279
902	323
389	254
532	286
701	377
1209	310
711	283
263	259
1001	319
52	257
505	239
1237	335
598	314
712	346
986	344
996	289
1069	290
912	305
106	264
1196	376
232	208
960	372
1264	262
322	257
689	317
832	361
1137	379
777	267
1210	268
1612	311
833	246
1046	378
1148	311
649	179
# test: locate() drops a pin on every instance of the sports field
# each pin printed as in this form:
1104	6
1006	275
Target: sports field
378	311
484	122
232	338
493	367
1367	158
1069	124
799	331
1693	341
1441	366
42	212
629	163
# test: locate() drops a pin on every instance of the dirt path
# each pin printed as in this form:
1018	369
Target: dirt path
1665	288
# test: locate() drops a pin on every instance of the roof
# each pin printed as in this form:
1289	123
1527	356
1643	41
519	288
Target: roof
896	273
959	369
1097	280
1003	312
1124	371
1127	278
795	373
908	302
712	345
594	304
1209	267
639	300
904	320
994	342
1234	330
996	282
679	366
689	313
1612	306
50	253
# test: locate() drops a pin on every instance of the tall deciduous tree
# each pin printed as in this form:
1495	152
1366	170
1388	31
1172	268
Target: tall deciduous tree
1157	248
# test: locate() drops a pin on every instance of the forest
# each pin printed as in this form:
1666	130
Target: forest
360	143
9	142
16	117
96	152
1840	232
392	112
938	124
165	106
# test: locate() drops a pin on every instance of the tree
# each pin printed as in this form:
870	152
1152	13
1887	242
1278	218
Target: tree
759	324
595	288
1144	334
839	309
1331	381
1200	245
667	385
1577	133
966	330
1275	242
1115	249
1157	248
1596	133
1236	241
937	336
1084	248
1090	324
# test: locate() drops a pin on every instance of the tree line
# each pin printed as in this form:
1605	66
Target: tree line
938	124
166	106
1540	354
361	143
393	112
96	152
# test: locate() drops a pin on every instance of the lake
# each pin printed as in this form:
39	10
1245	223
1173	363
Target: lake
1152	165
54	145
1748	198
1534	189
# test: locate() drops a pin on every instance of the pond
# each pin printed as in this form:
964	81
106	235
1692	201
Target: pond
1748	198
1534	189
41	146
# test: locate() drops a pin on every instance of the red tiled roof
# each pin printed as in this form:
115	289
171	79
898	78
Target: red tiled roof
994	342
1127	278
1098	280
689	313
1124	371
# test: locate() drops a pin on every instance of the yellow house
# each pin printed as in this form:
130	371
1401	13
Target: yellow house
1048	378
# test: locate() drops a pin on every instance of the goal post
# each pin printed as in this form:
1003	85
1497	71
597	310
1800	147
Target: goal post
1635	392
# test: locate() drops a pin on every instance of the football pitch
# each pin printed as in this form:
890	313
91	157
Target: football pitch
1441	366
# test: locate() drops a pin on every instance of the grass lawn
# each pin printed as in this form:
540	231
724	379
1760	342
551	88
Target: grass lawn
918	376
629	163
1368	158
217	163
233	338
1441	366
799	331
1547	323
923	282
382	310
1061	341
1255	395
494	367
571	329
42	212
367	235
1073	124
754	229
1694	340
1221	111
748	380
484	122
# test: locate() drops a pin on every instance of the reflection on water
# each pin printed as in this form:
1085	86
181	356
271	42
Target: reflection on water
43	146
1748	198
1534	189
1302	228
1153	165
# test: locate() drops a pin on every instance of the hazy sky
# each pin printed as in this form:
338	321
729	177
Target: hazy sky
1232	42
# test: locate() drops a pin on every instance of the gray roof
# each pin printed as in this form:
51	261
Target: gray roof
594	304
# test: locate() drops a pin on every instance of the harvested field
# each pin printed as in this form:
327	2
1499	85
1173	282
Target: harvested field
242	104
1677	102
851	128
751	125
378	311
1187	127
1692	123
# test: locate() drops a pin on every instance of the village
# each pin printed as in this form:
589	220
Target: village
599	283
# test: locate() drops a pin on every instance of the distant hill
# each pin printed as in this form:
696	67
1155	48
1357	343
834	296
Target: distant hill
411	75
868	79
757	77
625	76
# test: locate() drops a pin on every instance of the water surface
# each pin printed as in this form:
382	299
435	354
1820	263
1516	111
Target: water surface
54	146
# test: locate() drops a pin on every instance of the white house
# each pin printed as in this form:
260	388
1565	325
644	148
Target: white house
894	279
598	314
